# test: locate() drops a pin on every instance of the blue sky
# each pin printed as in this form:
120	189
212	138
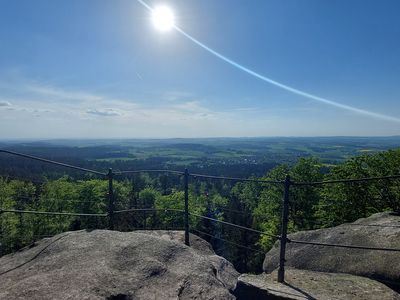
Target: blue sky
99	69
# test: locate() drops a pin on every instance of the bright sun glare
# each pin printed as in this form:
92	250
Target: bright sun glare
163	18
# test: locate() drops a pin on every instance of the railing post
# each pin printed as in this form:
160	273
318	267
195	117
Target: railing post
144	220
186	186
285	215
2	242
110	200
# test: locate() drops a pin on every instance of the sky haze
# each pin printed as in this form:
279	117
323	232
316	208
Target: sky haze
99	69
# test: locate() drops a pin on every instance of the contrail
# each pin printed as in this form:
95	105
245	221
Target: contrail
278	84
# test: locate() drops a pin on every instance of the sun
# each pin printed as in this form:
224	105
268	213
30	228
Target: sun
163	18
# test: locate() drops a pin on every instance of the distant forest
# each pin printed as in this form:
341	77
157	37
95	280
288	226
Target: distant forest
26	185
235	157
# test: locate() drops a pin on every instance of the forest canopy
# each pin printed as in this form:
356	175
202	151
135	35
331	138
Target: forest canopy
249	204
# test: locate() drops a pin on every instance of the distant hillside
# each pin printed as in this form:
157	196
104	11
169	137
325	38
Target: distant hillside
220	156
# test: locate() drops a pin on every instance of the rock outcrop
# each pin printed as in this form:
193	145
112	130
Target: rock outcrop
301	284
378	230
117	265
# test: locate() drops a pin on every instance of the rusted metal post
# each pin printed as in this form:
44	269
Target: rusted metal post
285	215
110	200
186	221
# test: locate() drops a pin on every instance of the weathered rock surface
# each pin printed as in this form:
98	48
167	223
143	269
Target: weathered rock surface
196	242
117	265
301	284
379	230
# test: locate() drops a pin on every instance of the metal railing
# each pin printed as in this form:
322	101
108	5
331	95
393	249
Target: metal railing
287	184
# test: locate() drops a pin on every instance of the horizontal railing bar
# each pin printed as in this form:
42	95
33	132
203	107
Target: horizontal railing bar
229	242
148	171
343	246
53	162
235	225
347	180
236	179
50	213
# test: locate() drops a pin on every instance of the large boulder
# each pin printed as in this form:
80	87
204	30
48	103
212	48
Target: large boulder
106	264
301	284
378	230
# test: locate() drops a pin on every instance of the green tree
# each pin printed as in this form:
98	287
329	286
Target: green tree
16	229
346	202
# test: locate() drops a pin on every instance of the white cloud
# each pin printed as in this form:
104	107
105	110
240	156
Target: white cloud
56	93
106	112
67	112
73	113
4	103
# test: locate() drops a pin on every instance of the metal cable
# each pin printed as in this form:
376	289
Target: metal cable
35	256
148	171
229	242
343	246
346	180
50	213
201	175
147	209
53	162
235	225
54	199
236	179
235	211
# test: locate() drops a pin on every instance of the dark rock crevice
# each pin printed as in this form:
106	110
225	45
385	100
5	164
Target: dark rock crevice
119	297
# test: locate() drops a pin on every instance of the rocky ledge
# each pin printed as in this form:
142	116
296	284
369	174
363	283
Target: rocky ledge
378	230
301	284
117	265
